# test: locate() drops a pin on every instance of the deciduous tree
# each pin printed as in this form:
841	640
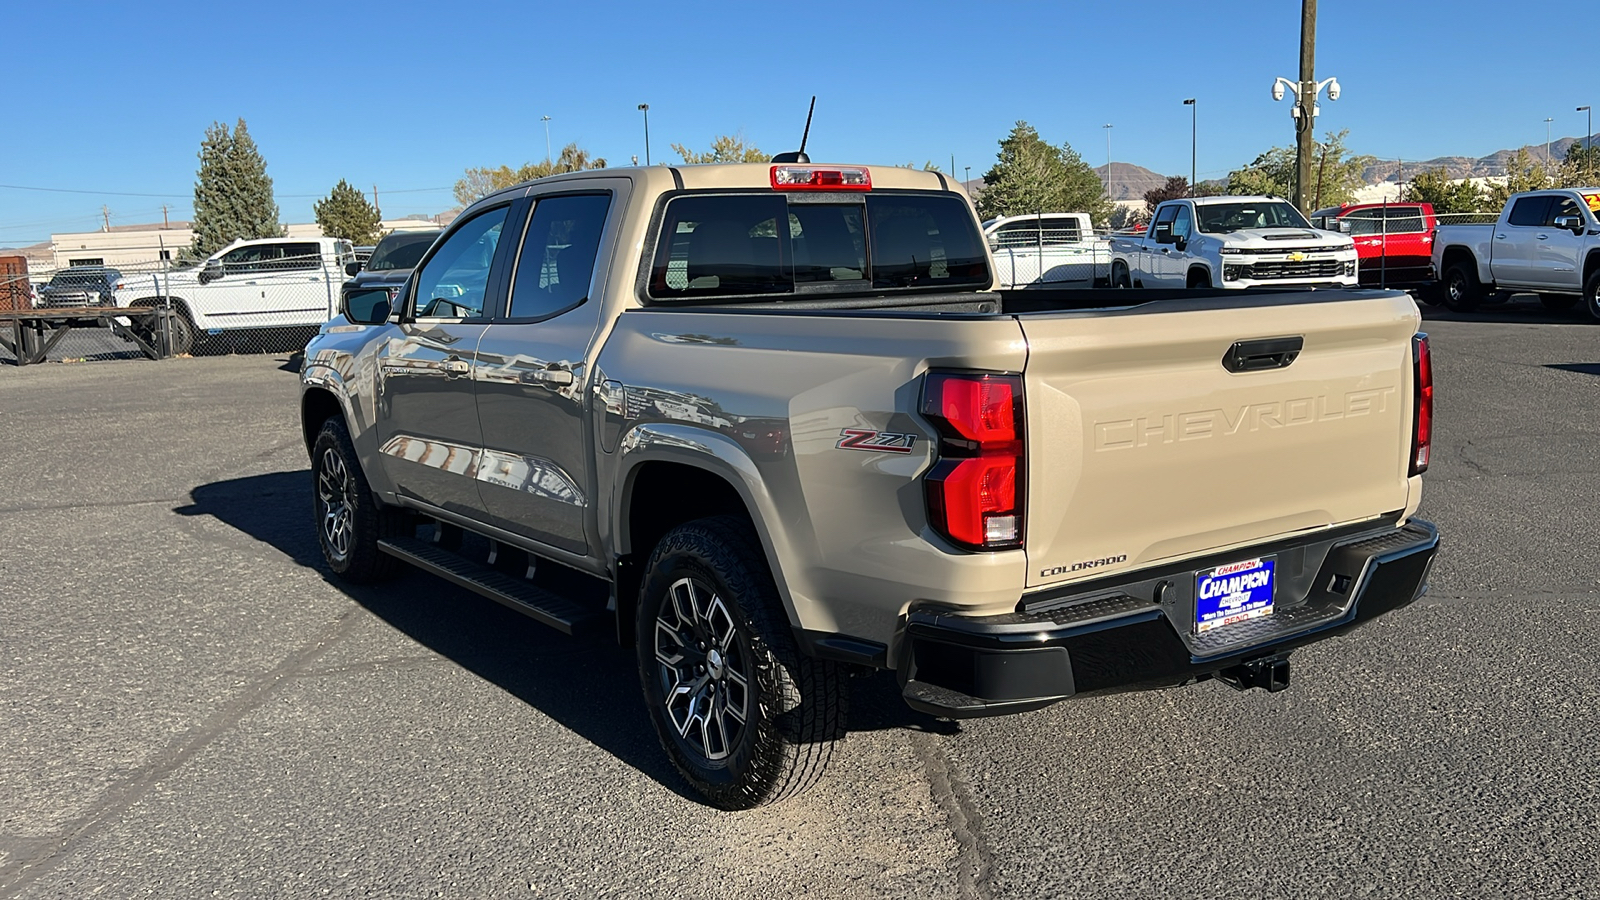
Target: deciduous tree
345	213
1335	173
478	183
1176	188
232	191
725	148
1522	174
1447	195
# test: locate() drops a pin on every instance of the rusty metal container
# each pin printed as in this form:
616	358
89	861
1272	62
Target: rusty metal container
15	292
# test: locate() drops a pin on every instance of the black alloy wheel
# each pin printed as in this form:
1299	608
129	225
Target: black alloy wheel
348	520
1591	295
743	716
1462	292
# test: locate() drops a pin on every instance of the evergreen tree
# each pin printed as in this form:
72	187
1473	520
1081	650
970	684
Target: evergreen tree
1448	196
345	213
232	191
1581	168
1032	176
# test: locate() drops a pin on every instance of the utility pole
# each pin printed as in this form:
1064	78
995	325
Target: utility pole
1108	126
1194	141
164	224
1305	125
106	211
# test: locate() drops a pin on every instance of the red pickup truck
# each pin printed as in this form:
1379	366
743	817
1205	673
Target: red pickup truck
1394	241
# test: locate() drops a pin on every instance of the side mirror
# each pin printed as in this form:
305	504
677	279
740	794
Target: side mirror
1570	223
351	268
366	307
1181	243
211	271
1344	226
1163	233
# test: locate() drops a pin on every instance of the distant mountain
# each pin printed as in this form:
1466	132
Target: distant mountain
1466	166
1128	181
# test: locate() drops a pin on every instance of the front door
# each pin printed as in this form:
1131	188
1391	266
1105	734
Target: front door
427	417
535	473
1557	251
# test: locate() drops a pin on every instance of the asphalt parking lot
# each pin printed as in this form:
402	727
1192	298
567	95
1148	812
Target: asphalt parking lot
190	707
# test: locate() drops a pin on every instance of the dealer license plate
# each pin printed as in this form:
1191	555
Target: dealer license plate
1234	593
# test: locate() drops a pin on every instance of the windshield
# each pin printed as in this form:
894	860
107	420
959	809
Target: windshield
400	251
80	279
1221	218
730	244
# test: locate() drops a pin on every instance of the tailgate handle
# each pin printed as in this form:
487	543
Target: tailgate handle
1262	354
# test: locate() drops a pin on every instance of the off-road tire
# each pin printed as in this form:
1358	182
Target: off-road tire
348	520
794	705
1559	302
1462	291
1591	295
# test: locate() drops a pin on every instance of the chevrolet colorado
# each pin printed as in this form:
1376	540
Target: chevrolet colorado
774	425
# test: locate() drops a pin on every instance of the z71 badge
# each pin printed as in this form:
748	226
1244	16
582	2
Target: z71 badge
877	441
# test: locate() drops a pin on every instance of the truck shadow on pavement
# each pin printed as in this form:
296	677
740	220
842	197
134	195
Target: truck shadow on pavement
588	685
1521	308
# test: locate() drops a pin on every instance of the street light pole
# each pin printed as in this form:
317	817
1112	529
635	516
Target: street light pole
1547	121
645	108
1588	141
547	156
1108	126
1194	140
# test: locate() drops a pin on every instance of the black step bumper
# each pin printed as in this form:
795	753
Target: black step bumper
1135	634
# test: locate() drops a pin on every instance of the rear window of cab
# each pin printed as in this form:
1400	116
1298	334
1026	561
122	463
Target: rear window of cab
760	244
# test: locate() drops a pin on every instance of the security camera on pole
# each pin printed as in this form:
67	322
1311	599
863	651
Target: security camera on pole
1305	109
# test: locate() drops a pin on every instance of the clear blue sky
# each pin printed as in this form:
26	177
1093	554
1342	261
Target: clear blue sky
405	95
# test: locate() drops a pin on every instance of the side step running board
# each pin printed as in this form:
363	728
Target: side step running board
554	610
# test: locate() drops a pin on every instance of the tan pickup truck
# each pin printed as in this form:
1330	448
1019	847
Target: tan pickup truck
774	423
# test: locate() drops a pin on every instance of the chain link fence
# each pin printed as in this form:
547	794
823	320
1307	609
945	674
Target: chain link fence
260	298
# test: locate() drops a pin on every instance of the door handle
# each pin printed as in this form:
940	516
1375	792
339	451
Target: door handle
1265	353
1544	237
454	366
548	376
1499	237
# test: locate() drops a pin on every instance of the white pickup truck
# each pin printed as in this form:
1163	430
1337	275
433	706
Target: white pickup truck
267	283
1232	242
1048	250
1547	242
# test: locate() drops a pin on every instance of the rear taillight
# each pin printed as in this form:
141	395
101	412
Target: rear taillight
1422	430
975	492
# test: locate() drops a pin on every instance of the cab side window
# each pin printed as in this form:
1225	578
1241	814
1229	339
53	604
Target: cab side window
1529	211
1183	224
557	260
453	284
1561	206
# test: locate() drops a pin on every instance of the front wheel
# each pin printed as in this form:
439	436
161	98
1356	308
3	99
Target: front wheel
1591	295
741	713
349	521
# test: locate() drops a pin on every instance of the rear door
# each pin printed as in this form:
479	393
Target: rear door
1514	239
1144	447
536	474
292	287
429	440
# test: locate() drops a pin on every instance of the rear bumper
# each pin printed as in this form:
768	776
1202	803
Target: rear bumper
1136	634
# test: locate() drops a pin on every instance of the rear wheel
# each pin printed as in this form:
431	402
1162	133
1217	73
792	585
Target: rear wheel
1559	302
741	713
1119	275
1462	291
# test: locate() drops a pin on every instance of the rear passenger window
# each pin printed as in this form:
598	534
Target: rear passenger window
557	260
1529	211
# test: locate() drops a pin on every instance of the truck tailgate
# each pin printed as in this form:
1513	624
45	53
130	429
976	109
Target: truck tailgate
1143	447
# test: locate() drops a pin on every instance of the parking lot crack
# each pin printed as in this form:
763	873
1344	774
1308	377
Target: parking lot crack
954	797
25	868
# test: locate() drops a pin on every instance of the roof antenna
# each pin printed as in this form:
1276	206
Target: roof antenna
799	156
